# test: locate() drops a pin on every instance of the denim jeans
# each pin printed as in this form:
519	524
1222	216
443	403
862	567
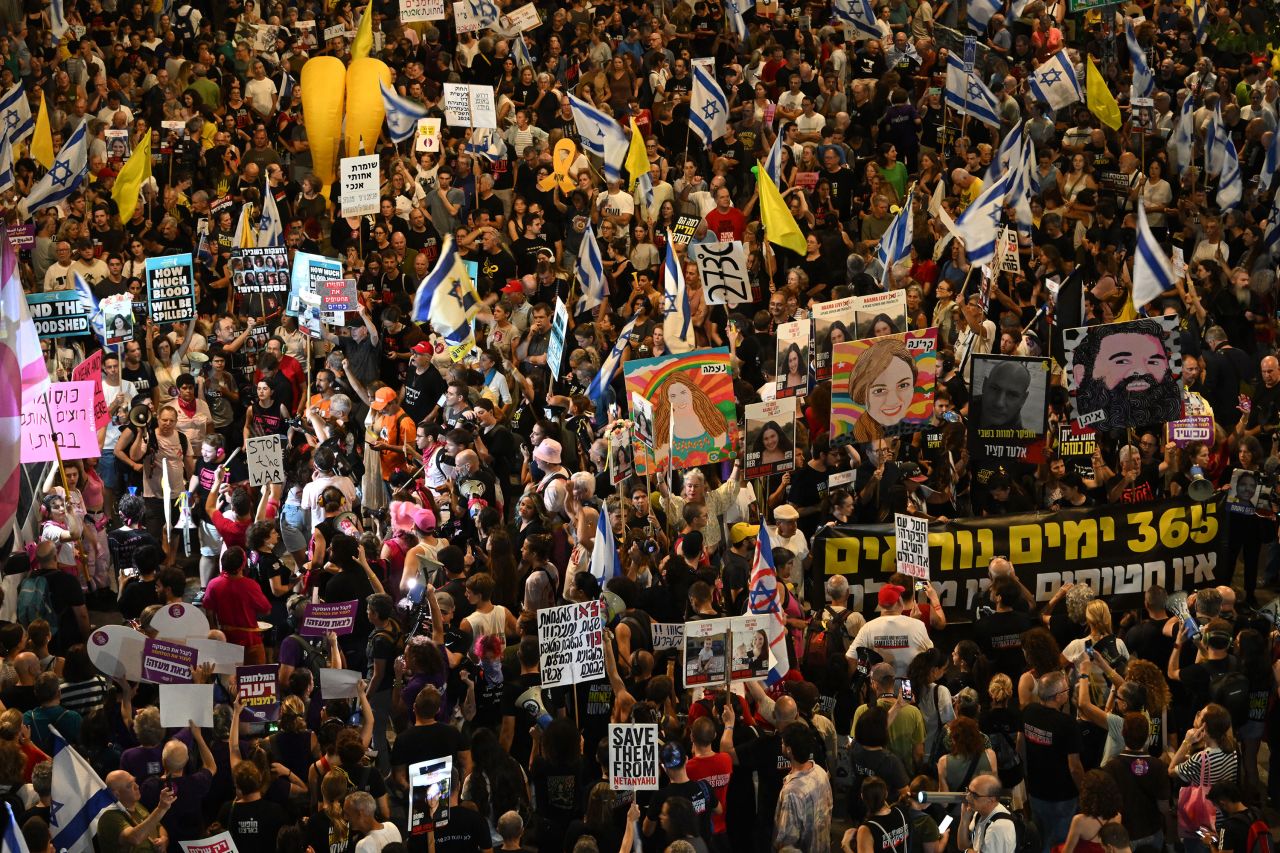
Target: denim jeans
1054	819
1155	841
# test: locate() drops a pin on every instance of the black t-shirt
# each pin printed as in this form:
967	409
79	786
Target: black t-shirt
423	743
123	543
999	635
142	377
466	832
320	840
1143	782
763	754
520	695
1199	676
137	595
421	390
807	489
253	826
699	793
1146	640
64	596
1050	737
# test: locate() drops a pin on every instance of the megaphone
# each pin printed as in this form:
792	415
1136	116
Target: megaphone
196	361
140	415
1199	489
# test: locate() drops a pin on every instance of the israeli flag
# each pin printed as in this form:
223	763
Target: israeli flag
402	113
859	15
1230	182
286	89
57	19
13	840
773	163
1271	237
736	21
270	227
590	271
446	297
677	312
979	225
646	190
1152	272
6	163
520	50
981	12
1010	148
1215	149
68	170
763	598
1055	82
1200	19
1182	142
18	121
896	242
1271	163
602	136
611	362
79	799
487	143
967	94
97	320
709	108
606	564
1144	82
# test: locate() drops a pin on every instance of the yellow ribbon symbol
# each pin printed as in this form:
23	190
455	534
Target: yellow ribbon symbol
561	159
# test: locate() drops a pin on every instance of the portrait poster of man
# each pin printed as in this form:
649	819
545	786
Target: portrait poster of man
883	386
1247	494
1008	411
1123	375
794	354
771	438
695	418
847	319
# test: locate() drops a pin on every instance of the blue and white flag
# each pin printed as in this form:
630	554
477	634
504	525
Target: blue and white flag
520	50
1215	140
402	113
16	110
57	19
859	15
981	12
1009	153
270	226
1183	139
1152	272
1271	163
602	136
966	93
446	297
68	170
645	185
611	363
979	225
763	598
487	143
6	163
1200	19
896	242
1230	182
1055	82
773	163
1271	236
1144	82
606	564
733	11
590	271
677	322
13	840
78	797
97	320
286	89
708	108
1021	185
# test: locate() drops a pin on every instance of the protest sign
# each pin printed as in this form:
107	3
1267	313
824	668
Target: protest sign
256	687
117	319
792	369
220	843
1008	414
72	428
428	136
22	236
685	228
118	148
519	19
167	662
641	420
1076	447
843	320
264	270
430	792
339	296
90	370
570	643
633	756
706	652
622	458
180	620
723	270
470	16
265	454
751	657
771	438
693	402
338	683
224	656
116	651
559	328
414	11
911	548
337	31
1103	386
171	292
1191	429
467	105
320	617
183	704
883	386
667	635
1008	250
309	273
360	188
310	317
58	314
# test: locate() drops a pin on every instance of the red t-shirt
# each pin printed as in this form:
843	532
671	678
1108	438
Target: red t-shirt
726	226
715	769
236	602
232	532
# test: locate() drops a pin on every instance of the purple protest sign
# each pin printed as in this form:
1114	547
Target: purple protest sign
256	687
1195	428
164	662
321	617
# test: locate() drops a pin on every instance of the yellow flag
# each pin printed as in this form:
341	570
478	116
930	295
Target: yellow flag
780	226
135	173
637	157
364	34
1099	98
42	142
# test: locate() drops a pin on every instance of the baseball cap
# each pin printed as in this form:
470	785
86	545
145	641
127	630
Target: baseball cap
890	595
424	348
382	398
513	286
672	756
741	531
786	512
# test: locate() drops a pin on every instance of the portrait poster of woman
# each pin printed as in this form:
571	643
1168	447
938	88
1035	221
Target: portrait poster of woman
117	320
751	657
883	386
794	354
771	438
694	413
850	318
622	464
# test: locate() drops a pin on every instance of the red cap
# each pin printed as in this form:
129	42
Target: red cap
890	595
423	348
513	286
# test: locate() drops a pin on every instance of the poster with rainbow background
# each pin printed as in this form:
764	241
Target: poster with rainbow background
883	386
695	418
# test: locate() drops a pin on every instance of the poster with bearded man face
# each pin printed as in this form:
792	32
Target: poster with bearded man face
1124	374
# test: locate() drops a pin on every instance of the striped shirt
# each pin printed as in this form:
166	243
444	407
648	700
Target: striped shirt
84	696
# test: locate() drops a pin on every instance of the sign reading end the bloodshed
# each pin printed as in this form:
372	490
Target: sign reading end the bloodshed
570	647
633	756
322	617
171	292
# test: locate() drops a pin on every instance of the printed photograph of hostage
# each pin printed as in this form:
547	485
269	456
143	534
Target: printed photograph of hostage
1125	374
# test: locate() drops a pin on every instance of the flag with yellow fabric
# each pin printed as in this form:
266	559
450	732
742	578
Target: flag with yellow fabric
637	157
136	172
780	226
1099	98
363	42
42	141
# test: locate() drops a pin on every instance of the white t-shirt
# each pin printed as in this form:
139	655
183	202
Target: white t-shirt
810	124
797	544
895	638
616	204
379	838
260	94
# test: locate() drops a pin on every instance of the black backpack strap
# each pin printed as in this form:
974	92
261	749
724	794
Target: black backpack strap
968	773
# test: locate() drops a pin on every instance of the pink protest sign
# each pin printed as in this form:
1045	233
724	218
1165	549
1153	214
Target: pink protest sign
90	370
73	429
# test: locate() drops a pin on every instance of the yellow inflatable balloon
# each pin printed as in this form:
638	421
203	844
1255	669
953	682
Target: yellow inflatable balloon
365	111
323	81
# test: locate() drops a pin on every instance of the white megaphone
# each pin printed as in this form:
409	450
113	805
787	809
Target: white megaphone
1199	489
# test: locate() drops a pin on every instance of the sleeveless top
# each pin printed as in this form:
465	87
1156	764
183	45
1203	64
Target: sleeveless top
493	623
890	833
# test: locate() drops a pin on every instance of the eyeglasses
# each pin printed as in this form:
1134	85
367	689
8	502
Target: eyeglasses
974	795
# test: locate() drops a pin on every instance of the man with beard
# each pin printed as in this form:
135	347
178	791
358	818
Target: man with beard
1193	401
1122	378
1003	394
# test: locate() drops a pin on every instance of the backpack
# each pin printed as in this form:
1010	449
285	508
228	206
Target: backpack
394	635
1026	836
1259	838
1230	689
827	645
35	601
312	658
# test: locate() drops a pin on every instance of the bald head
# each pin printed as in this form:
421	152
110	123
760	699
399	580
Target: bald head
1228	598
1000	567
984	793
1003	395
784	711
28	667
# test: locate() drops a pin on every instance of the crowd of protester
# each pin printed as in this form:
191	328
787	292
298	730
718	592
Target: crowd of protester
456	499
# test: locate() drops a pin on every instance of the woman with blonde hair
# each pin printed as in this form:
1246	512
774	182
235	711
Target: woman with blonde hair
1102	642
697	428
883	383
328	829
1002	723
